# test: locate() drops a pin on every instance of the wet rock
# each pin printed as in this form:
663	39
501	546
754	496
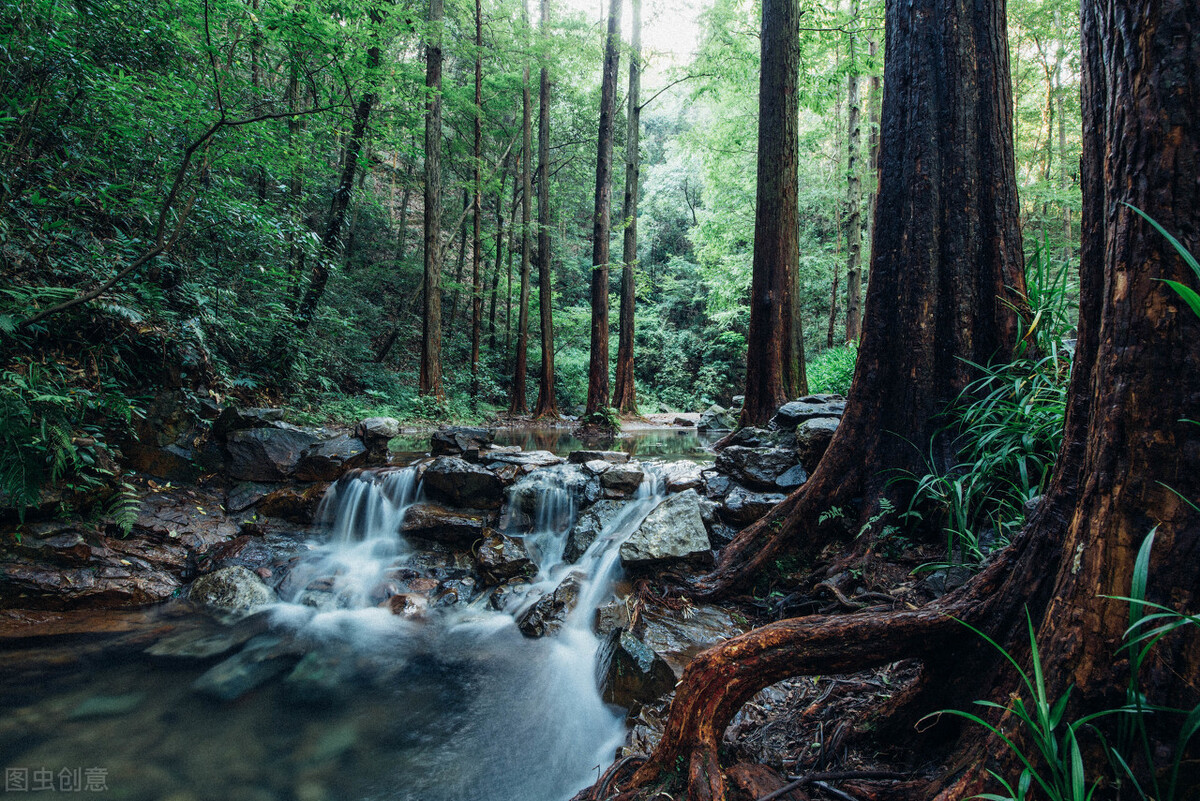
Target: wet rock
321	676
376	432
266	454
460	440
629	672
262	553
527	461
439	523
611	616
716	486
263	658
621	480
813	438
758	468
297	504
684	422
245	494
455	592
330	458
940	582
613	457
106	706
233	589
171	463
809	407
716	418
588	526
549	613
680	476
679	634
204	642
791	478
742	506
408	605
673	530
233	419
499	558
460	483
579	484
720	534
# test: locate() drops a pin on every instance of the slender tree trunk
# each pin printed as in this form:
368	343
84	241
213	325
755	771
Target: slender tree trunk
625	394
462	259
431	335
518	404
499	256
770	354
853	201
477	212
1062	135
402	223
512	248
547	402
946	271
1130	462
598	388
873	98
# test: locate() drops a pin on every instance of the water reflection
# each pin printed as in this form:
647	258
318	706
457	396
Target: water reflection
660	443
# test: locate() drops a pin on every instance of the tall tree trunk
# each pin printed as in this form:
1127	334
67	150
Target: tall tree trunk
331	240
431	333
625	393
499	256
1130	460
946	270
547	402
477	212
462	258
769	352
1062	135
853	200
402	223
518	404
873	98
598	389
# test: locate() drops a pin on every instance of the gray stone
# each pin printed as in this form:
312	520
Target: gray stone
621	480
716	418
611	616
439	523
233	419
588	526
756	467
742	506
460	440
246	494
528	461
549	613
679	634
384	428
459	483
629	672
266	454
328	459
681	475
716	486
791	478
813	438
673	530
809	407
499	558
234	589
581	457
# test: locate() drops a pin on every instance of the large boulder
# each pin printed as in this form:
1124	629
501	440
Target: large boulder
231	589
809	407
328	459
233	419
377	432
296	504
681	475
629	672
499	558
613	457
622	480
673	530
813	438
460	483
460	441
527	461
549	613
431	521
589	525
756	467
742	506
716	418
266	454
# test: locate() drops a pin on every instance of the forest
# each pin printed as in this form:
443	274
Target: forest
803	392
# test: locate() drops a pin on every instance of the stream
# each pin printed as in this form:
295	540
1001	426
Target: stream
360	703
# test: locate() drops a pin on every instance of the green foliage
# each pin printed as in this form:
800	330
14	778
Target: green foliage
1190	296
832	369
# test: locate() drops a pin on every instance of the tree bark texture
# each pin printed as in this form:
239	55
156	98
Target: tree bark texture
625	389
477	205
1130	459
518	404
853	202
769	351
946	269
547	402
499	255
431	324
598	388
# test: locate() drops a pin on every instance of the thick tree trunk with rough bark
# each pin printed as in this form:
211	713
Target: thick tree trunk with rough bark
770	354
431	331
598	388
547	402
517	403
625	390
1130	461
946	270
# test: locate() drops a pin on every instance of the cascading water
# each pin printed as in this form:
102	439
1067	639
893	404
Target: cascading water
481	712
